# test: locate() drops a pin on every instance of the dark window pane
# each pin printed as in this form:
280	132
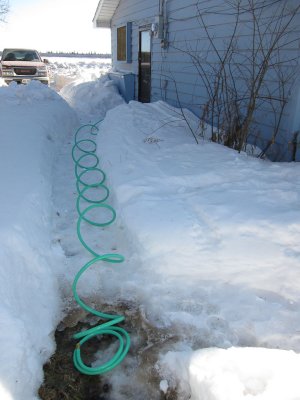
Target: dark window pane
121	43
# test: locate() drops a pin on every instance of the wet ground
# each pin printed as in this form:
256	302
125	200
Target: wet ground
62	381
135	378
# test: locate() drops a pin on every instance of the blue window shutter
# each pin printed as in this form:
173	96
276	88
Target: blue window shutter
129	42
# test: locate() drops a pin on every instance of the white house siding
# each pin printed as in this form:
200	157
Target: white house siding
174	77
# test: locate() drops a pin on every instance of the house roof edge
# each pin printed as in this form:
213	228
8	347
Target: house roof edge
104	13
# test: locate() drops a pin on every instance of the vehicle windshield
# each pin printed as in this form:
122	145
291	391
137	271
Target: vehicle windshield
20	55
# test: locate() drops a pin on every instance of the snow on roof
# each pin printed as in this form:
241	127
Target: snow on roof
104	13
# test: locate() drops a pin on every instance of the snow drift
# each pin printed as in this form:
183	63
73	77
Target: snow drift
33	121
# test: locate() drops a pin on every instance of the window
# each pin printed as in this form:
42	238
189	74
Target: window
121	43
124	34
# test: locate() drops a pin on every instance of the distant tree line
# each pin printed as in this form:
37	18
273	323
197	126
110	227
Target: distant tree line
75	54
72	54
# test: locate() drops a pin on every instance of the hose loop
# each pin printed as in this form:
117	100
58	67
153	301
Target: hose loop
90	178
89	171
86	157
93	128
82	145
89	187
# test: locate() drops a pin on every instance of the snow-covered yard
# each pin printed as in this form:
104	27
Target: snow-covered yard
211	240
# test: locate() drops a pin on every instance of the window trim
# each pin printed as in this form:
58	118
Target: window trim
129	42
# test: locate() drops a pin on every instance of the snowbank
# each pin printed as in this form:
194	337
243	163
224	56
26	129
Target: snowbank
65	70
33	120
93	98
234	374
214	234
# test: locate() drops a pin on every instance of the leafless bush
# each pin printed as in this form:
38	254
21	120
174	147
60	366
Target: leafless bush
249	73
4	8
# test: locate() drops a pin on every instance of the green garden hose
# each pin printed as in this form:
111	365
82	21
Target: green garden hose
86	170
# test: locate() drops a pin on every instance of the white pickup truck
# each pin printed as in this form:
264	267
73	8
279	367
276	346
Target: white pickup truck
22	66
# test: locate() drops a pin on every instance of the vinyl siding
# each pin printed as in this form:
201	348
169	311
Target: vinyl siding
174	77
187	38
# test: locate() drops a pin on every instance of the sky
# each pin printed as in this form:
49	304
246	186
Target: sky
54	25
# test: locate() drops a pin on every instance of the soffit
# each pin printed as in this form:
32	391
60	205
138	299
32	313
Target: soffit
104	13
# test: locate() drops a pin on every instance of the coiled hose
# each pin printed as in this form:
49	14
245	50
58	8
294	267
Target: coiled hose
87	167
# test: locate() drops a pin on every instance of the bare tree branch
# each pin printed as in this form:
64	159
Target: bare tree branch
4	8
239	80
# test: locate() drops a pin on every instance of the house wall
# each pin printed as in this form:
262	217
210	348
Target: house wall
178	81
140	13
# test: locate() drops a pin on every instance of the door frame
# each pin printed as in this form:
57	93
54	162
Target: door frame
144	28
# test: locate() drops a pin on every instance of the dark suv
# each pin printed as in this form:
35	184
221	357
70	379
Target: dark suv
22	66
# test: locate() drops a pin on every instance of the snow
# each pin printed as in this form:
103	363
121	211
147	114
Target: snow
65	70
33	121
210	239
237	373
92	98
222	226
